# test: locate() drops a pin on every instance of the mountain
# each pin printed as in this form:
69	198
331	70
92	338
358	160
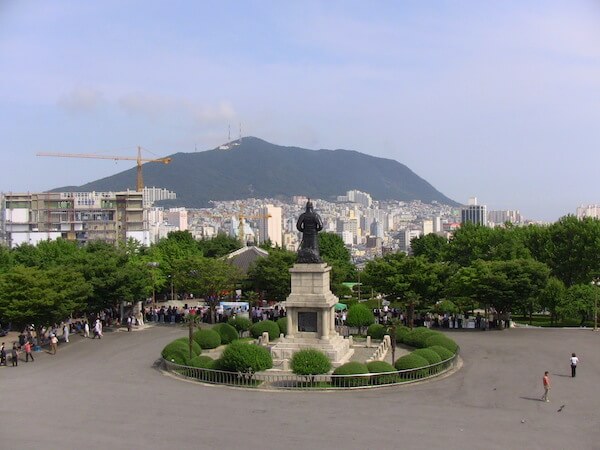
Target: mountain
259	169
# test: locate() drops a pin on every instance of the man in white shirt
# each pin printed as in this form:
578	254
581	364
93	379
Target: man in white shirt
574	362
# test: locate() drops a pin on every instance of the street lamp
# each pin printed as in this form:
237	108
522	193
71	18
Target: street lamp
153	265
596	282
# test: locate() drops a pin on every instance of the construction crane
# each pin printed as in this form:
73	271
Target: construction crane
140	179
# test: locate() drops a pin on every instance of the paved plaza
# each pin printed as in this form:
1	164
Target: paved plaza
107	394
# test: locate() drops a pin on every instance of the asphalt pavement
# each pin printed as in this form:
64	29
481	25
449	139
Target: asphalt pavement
108	394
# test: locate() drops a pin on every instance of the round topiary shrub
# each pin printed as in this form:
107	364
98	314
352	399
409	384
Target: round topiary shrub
176	352
418	337
440	339
411	361
381	368
196	349
431	356
401	333
282	323
310	361
444	353
227	332
241	324
202	362
376	331
359	316
266	325
351	368
243	357
207	339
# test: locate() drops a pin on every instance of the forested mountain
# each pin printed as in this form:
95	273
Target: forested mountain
259	169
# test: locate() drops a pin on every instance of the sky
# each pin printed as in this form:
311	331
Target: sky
497	100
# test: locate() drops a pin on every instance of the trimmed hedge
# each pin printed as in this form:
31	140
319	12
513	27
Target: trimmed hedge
418	337
202	362
310	361
381	368
442	351
359	316
351	368
176	352
282	323
239	357
207	339
401	333
241	324
441	340
376	331
227	332
266	325
196	349
411	361
430	355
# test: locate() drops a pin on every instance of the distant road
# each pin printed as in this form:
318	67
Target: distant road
107	395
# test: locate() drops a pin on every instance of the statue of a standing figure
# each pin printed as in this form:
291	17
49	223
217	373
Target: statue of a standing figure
309	224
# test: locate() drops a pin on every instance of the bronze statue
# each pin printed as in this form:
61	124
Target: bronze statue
309	224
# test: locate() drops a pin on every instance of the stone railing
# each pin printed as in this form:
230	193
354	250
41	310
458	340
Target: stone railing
381	350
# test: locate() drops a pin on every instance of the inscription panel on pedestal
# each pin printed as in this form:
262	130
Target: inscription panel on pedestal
307	321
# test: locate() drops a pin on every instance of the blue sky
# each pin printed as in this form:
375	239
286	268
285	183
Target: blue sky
499	100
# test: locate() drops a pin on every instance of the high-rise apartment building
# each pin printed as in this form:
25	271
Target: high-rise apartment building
474	213
270	225
501	217
78	216
588	211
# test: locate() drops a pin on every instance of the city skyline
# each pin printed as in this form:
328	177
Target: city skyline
494	101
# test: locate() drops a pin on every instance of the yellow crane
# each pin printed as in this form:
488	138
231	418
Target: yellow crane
140	179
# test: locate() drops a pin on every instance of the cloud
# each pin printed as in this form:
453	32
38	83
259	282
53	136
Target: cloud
81	100
155	106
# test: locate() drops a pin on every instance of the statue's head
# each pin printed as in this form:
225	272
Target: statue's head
309	206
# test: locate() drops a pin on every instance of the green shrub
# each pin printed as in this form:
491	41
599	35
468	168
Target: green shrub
176	352
241	324
282	323
359	316
266	325
440	339
351	368
418	337
401	333
310	361
207	339
239	357
442	351
381	367
411	361
227	332
202	362
376	331
431	356
196	349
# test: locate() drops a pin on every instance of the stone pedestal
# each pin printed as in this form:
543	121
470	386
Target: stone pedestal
311	317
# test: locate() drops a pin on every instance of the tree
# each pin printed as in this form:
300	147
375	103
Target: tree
431	246
334	252
553	298
208	278
360	316
43	297
6	259
579	302
219	246
271	274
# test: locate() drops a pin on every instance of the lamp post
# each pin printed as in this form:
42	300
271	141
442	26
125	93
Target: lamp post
596	282
153	265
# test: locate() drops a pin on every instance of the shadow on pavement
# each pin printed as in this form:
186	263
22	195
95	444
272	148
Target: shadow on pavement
535	399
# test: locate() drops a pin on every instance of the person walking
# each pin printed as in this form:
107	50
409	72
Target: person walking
574	362
14	355
98	329
129	322
2	355
66	332
53	343
86	329
28	354
546	383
